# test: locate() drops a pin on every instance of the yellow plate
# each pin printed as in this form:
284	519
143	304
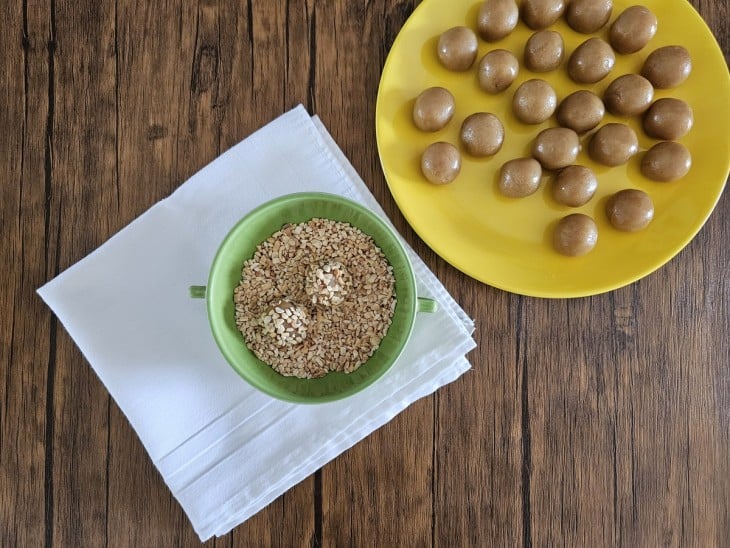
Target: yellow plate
506	242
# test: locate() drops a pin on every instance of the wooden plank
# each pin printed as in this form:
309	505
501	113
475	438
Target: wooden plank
680	461
27	234
82	201
623	451
264	51
569	403
478	446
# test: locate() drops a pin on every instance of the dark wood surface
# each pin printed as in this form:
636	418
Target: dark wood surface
600	421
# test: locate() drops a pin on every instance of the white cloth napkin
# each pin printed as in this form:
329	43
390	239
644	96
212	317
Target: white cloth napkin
225	449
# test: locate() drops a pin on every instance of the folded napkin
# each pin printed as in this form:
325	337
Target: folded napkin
225	449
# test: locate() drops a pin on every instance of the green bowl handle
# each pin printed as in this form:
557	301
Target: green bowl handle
427	305
197	291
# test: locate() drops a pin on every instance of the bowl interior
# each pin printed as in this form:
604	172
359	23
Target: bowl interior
240	245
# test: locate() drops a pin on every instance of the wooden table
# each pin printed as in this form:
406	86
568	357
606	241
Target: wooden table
599	421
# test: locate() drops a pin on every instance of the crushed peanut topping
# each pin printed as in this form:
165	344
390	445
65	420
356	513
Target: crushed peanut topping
316	297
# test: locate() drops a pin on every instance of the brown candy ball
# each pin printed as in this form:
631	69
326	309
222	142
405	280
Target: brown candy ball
666	161
588	16
556	147
534	101
482	134
457	48
497	19
574	186
440	163
633	29
630	210
540	14
668	119
581	111
613	144
575	235
667	67
433	109
628	95
497	70
544	51
520	177
591	61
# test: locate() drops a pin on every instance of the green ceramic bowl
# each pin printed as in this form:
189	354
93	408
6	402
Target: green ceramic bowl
225	274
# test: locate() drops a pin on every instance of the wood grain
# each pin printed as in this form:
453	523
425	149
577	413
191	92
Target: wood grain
28	240
602	421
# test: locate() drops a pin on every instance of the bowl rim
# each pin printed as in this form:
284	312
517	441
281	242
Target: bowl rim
273	204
